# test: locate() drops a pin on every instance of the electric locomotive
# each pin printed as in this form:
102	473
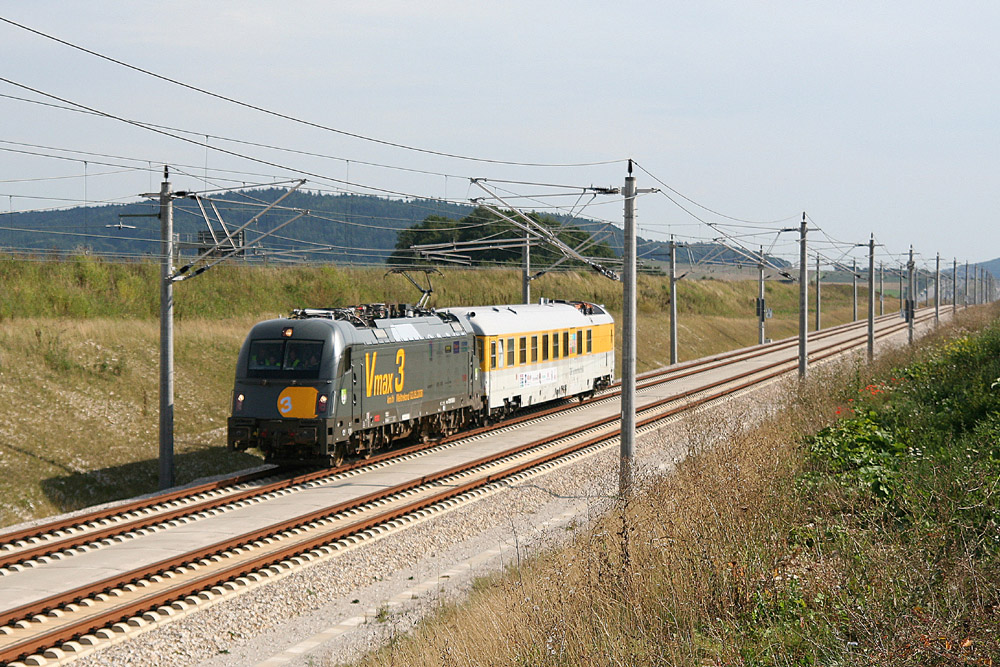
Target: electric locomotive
325	384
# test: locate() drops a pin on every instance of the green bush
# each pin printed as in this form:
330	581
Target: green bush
860	453
904	494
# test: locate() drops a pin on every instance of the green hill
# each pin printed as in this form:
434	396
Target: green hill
341	229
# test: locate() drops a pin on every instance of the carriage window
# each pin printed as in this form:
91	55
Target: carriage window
510	351
590	340
555	345
545	347
524	350
566	350
534	349
493	354
579	341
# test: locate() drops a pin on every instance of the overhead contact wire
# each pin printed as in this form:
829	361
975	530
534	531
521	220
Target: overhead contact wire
293	119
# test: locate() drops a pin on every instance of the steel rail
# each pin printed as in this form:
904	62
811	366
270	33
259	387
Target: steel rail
14	554
81	534
42	529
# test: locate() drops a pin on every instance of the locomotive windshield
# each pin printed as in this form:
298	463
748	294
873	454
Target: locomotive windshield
284	358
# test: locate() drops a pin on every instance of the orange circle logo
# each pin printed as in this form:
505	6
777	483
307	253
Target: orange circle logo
298	402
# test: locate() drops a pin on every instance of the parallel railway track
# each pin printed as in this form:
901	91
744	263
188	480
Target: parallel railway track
72	619
25	546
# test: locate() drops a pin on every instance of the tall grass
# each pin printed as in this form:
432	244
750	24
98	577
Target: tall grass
714	315
88	287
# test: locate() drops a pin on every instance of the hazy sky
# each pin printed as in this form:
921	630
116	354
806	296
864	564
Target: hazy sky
870	117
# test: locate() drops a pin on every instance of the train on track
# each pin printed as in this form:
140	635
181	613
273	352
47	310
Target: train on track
323	385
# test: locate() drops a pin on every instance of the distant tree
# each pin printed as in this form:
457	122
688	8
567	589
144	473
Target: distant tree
484	225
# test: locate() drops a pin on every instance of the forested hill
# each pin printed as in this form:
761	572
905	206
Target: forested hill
355	229
353	225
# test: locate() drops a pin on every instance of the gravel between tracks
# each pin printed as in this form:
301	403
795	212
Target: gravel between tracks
343	601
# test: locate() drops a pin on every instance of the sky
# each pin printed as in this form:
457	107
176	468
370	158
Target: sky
871	118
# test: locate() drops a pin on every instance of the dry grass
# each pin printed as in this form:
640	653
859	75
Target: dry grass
82	427
727	562
656	580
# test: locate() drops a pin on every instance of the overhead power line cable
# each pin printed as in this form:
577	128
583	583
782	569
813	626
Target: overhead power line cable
278	114
158	130
702	206
255	144
202	144
179	168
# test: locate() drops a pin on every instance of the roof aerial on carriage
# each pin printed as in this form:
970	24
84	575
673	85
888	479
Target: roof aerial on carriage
516	318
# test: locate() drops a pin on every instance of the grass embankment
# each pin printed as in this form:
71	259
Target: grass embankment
79	357
80	424
875	542
713	315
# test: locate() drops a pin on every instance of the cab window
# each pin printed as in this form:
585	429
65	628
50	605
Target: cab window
285	358
266	355
302	355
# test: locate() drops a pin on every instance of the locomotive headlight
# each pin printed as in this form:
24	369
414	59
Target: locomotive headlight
287	332
321	401
239	401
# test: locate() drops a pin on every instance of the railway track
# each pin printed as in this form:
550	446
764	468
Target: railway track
70	621
33	545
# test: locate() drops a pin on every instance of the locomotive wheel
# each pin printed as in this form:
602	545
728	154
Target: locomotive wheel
338	456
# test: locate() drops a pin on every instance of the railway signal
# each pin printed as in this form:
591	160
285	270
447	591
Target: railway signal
937	290
819	299
761	304
871	297
910	295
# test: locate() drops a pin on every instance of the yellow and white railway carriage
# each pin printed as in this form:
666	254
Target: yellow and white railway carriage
533	353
